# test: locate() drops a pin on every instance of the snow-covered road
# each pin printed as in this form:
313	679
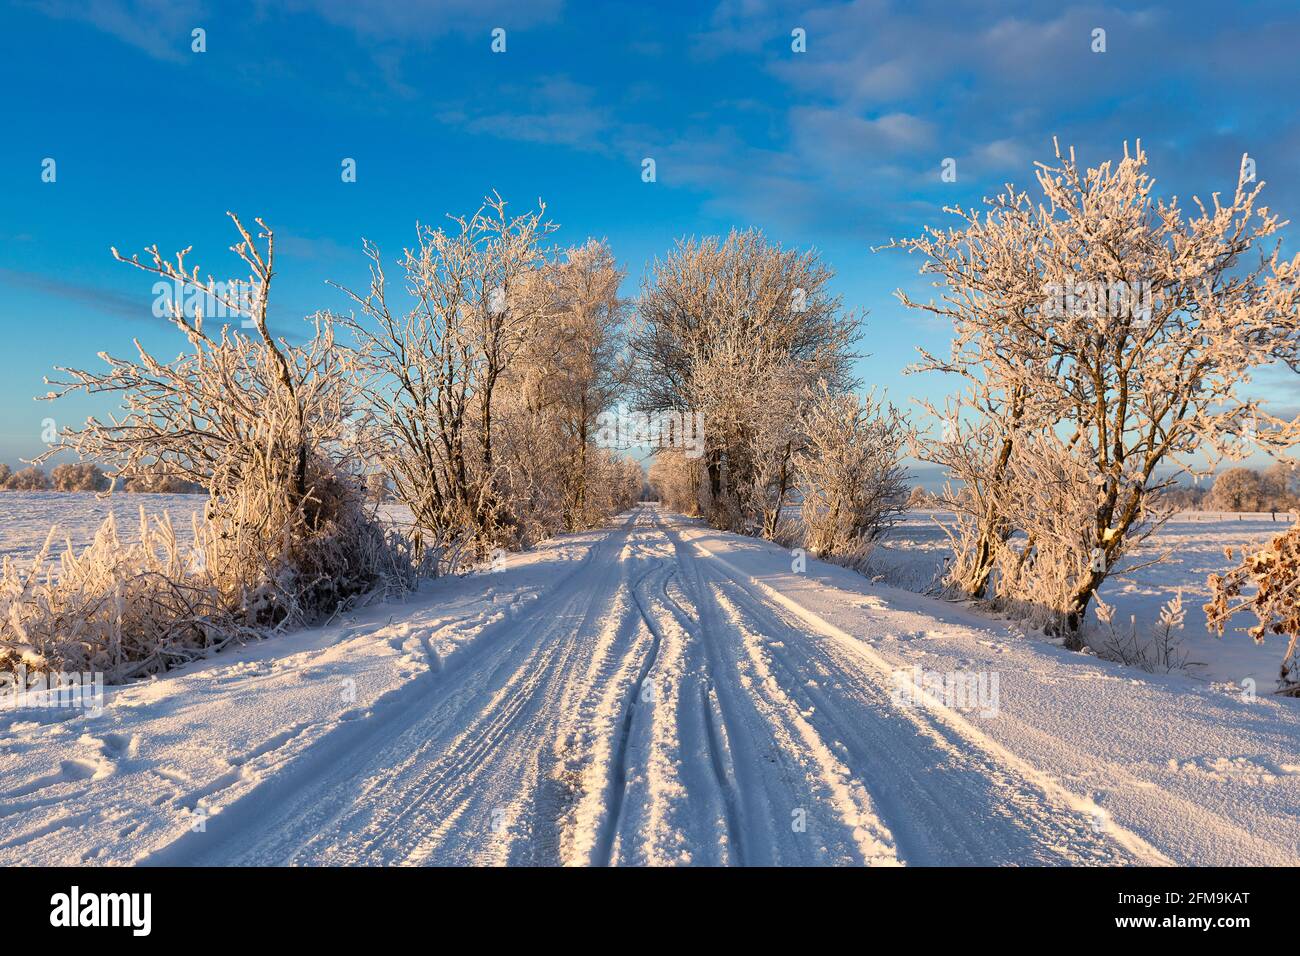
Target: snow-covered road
654	693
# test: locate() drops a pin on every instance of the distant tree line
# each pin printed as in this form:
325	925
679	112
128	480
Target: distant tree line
87	476
1275	489
1242	489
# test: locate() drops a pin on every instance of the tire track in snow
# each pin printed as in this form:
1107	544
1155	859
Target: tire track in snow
716	739
944	802
321	808
1058	812
618	781
673	810
781	770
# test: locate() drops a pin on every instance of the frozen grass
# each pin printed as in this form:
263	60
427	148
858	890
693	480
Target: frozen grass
139	598
26	517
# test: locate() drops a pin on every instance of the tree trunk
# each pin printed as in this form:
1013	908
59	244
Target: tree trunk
1077	609
715	475
984	555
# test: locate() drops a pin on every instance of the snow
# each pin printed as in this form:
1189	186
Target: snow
27	516
1192	543
655	692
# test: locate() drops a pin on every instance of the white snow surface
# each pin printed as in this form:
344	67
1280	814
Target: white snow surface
654	692
1191	545
26	518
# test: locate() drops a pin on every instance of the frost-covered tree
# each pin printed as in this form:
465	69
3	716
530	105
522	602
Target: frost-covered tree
725	328
776	436
988	272
1128	325
850	469
1244	489
1237	489
80	476
431	369
1280	485
569	371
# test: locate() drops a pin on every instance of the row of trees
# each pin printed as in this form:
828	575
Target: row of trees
87	476
64	477
1101	334
1275	489
473	401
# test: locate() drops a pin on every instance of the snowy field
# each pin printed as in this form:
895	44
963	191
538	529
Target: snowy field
654	692
27	516
1193	542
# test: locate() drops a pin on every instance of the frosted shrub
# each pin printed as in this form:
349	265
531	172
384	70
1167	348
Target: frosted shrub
1159	653
1274	574
850	473
286	538
280	563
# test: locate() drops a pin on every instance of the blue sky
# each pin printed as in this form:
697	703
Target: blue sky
838	148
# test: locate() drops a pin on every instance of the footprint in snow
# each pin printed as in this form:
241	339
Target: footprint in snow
85	769
113	746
